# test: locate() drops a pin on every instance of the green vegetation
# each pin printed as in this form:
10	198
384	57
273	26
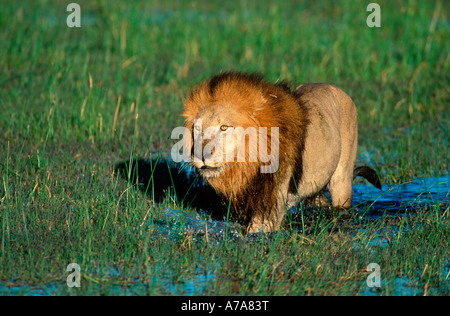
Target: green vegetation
76	101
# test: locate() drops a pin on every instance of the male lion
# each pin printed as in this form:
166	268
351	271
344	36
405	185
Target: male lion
314	145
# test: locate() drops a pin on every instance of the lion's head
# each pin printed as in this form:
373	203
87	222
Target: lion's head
235	121
230	126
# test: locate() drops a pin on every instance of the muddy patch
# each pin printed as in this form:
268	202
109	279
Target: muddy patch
162	179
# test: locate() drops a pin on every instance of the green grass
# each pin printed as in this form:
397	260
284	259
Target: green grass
74	102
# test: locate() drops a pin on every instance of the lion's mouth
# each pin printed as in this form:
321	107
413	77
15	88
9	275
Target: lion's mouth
209	167
208	171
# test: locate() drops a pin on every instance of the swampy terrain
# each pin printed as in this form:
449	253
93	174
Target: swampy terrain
78	104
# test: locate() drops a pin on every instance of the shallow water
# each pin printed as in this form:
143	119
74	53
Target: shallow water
417	194
368	201
392	202
18	290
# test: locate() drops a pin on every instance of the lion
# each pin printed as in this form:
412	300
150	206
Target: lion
313	146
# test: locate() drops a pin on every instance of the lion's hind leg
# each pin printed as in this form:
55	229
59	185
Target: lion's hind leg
341	191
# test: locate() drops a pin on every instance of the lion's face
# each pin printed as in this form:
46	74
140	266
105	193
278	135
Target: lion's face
234	126
215	135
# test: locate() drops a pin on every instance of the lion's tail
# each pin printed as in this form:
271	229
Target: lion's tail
369	174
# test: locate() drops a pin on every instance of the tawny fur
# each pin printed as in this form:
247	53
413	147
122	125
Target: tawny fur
317	144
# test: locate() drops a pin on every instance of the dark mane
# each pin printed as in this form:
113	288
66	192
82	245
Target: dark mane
285	85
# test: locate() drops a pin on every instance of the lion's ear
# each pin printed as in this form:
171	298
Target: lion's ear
258	104
253	118
261	106
263	101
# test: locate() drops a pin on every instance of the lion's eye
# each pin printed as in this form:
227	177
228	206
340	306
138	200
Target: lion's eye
223	128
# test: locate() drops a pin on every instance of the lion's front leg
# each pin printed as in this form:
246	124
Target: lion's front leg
263	225
271	221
